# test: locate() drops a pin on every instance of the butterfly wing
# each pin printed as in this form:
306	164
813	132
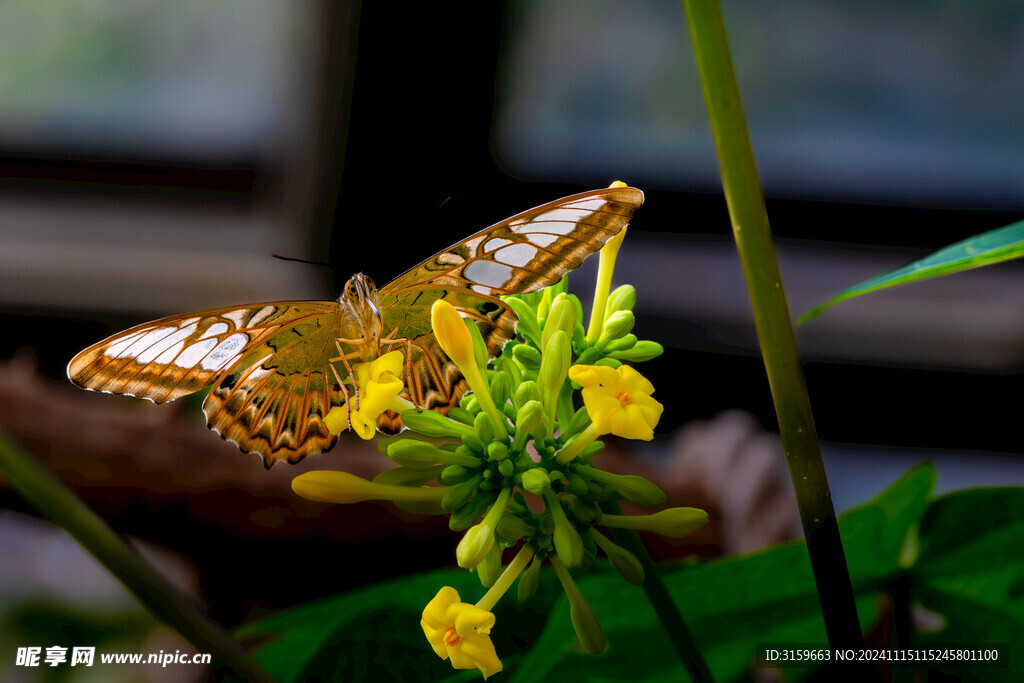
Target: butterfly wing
268	362
521	254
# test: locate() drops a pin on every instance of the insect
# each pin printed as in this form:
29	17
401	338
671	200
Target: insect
276	369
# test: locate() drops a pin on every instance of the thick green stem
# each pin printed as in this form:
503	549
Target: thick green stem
67	510
662	602
774	327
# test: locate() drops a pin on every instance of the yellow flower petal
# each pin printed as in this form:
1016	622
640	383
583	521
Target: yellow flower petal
459	632
379	383
618	400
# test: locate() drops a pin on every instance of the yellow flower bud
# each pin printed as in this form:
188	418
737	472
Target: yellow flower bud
636	490
341	487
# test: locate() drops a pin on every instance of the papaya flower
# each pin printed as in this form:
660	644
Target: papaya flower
618	401
378	382
460	632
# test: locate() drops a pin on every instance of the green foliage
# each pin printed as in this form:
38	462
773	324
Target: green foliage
995	246
970	549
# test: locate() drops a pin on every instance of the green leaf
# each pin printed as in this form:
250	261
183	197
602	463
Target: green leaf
373	633
995	246
970	572
735	604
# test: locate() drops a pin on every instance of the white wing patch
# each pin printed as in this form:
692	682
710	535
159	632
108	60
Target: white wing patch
496	243
195	354
214	330
518	255
487	273
225	352
154	344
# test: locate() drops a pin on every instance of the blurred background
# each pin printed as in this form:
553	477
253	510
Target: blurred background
154	155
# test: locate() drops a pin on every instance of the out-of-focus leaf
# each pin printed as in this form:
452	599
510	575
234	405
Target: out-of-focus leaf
970	572
995	246
373	633
733	605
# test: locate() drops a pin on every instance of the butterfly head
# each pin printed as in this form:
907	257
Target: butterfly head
360	298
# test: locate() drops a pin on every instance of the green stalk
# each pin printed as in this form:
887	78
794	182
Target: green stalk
774	328
50	496
661	600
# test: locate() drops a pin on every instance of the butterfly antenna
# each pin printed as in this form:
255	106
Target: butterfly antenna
302	260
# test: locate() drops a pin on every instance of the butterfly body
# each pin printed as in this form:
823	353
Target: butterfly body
278	368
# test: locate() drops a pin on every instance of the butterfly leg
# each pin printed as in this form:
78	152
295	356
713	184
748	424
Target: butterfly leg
343	357
407	343
344	391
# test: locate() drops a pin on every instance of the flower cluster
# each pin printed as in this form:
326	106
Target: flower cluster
514	464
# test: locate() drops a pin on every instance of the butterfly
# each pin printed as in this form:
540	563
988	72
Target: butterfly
276	368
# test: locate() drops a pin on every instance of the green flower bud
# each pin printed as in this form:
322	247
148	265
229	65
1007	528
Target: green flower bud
470	403
497	451
509	411
622	561
584	512
536	481
466	516
641	351
568	544
623	343
459	495
484	425
454	474
487	485
528	421
506	467
527	326
587	626
526	392
507	366
528	580
407	476
410	453
527	356
610	362
580	421
622	299
584	618
617	325
471	441
562	317
501	388
554	367
430	423
636	490
489	568
475	545
511	528
461	414
577	485
672	523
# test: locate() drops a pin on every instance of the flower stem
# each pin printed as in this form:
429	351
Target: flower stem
504	582
661	600
772	319
49	495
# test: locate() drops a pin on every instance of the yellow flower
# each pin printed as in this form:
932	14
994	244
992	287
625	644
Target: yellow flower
379	383
618	400
460	632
